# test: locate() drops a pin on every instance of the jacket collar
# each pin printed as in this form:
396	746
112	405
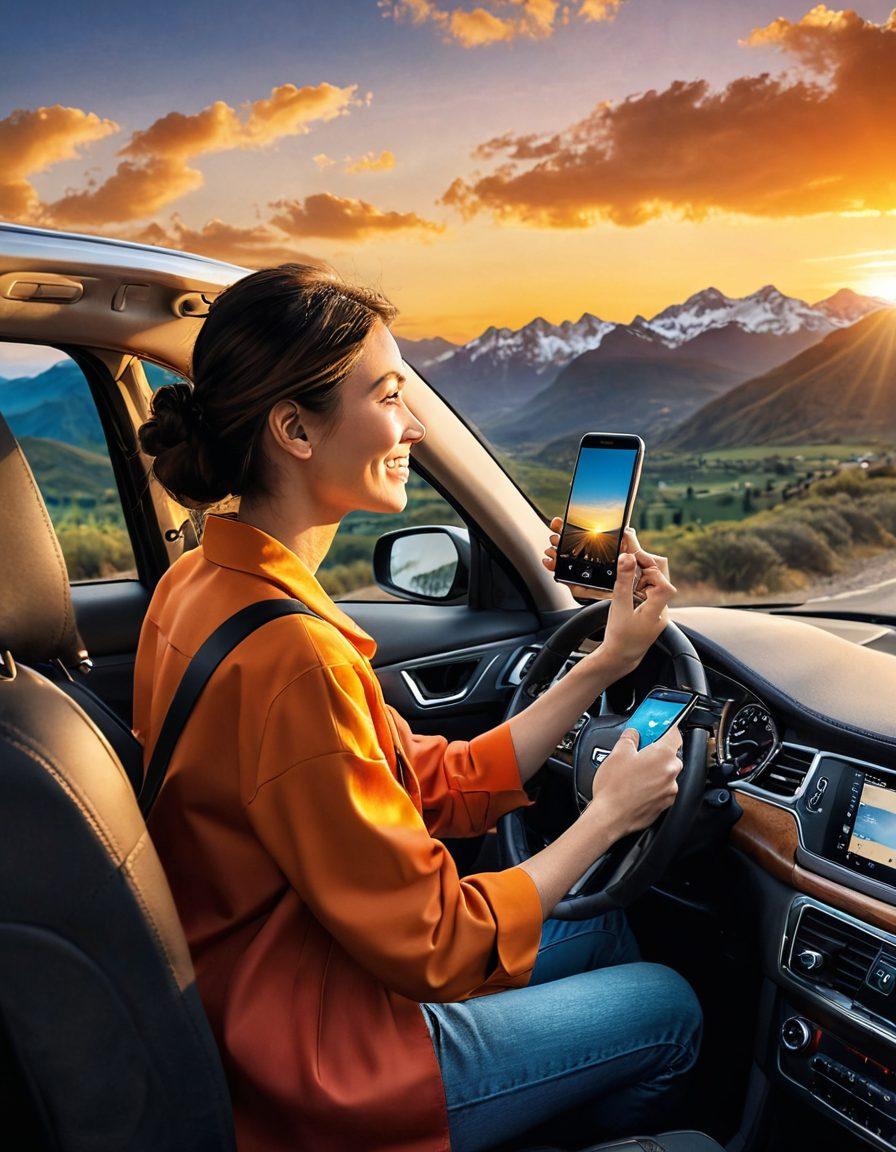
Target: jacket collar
231	543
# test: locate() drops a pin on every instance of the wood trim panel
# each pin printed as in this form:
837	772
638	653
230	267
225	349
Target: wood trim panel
768	834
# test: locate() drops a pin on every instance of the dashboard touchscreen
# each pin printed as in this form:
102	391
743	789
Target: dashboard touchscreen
873	835
866	838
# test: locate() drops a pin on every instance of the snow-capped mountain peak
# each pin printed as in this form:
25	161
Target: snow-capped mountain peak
766	310
539	344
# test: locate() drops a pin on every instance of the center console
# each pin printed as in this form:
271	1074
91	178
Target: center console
839	1045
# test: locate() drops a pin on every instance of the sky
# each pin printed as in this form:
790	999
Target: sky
480	163
600	487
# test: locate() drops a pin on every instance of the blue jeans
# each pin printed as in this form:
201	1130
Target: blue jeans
595	1045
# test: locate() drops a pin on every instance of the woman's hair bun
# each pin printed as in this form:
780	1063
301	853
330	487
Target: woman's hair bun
172	420
183	460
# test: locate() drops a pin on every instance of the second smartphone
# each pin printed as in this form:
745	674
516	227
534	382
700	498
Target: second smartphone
601	495
658	711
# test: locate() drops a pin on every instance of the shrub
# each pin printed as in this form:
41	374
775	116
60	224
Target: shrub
799	546
732	561
850	482
826	521
94	551
882	506
343	579
864	527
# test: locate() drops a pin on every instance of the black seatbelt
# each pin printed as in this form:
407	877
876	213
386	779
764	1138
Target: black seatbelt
199	671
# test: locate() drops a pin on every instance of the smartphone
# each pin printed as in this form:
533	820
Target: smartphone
658	711
601	495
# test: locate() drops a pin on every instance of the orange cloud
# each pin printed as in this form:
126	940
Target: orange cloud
597	10
32	140
478	26
288	111
133	192
257	247
337	218
819	142
500	21
322	160
155	170
371	163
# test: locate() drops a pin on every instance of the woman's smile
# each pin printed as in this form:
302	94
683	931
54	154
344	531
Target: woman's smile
398	467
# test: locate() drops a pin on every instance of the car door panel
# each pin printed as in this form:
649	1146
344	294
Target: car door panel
110	614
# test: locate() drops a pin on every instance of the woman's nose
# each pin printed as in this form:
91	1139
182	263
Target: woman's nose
415	430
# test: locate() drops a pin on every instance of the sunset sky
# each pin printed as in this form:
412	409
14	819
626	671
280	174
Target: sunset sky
481	164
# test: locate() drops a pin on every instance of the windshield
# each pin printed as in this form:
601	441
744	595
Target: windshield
789	524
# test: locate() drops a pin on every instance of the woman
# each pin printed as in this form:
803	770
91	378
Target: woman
346	970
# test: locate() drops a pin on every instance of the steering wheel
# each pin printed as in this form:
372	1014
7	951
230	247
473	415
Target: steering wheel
636	861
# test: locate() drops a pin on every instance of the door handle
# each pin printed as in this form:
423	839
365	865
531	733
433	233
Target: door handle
445	682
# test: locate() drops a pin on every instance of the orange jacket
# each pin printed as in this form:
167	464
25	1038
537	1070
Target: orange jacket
318	908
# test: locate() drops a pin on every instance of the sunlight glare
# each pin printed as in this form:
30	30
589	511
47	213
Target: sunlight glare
883	286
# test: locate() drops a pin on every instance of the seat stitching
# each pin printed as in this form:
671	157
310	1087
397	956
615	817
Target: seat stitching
17	740
128	868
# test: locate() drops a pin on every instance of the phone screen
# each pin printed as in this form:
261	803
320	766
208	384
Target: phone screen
596	515
658	712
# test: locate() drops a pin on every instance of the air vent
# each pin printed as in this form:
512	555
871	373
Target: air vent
520	665
846	952
786	773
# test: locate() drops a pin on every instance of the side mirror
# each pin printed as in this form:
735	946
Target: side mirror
429	564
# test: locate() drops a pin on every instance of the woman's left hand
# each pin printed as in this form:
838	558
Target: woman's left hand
630	630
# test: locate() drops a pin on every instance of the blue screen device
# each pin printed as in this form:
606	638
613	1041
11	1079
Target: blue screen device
658	711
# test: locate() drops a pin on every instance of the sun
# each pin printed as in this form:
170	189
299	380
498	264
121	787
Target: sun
883	286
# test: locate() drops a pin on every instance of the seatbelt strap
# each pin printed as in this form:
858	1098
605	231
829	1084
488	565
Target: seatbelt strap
199	671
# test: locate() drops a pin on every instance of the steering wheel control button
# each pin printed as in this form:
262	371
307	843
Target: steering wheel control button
809	960
882	977
598	756
796	1035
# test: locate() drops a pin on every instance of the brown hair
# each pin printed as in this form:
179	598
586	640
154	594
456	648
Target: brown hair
287	333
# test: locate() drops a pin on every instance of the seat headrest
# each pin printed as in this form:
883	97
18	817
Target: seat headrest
37	622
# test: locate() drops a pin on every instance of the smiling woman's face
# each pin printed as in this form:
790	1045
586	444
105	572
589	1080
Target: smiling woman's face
361	462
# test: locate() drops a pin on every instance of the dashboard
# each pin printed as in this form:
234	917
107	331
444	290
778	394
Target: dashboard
808	740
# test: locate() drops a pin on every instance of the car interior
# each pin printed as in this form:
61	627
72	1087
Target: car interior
748	887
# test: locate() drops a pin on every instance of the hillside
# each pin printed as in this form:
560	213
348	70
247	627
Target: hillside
68	475
632	383
841	389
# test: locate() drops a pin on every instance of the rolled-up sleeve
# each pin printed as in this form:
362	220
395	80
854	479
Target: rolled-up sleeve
465	785
350	841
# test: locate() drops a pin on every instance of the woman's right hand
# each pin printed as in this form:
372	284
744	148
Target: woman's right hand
631	787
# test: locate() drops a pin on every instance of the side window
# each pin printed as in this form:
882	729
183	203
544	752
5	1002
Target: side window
347	571
47	403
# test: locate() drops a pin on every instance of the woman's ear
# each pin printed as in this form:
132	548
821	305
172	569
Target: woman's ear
285	423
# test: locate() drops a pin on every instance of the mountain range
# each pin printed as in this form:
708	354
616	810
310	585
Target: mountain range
497	373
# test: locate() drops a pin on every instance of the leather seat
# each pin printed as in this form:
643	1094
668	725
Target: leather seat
99	1014
104	1044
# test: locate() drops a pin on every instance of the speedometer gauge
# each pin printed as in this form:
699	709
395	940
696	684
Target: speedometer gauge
751	739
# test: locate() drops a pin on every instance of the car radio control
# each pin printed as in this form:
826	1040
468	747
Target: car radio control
796	1035
809	960
814	802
